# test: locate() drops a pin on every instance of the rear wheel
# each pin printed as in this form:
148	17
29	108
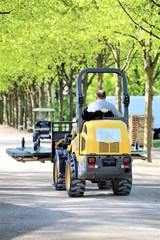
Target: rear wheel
59	173
122	186
74	186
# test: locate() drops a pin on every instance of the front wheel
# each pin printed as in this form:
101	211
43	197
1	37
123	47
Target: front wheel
59	173
75	187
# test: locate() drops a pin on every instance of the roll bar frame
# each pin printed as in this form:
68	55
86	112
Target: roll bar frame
80	96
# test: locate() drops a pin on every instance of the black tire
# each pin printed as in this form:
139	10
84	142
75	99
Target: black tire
122	186
104	185
75	187
158	135
59	173
34	138
35	147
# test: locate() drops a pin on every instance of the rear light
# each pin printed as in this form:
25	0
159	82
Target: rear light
91	166
91	160
127	160
126	167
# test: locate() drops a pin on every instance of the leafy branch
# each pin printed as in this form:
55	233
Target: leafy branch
158	5
151	25
149	32
8	12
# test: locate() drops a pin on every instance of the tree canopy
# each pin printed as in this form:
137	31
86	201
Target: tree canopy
38	35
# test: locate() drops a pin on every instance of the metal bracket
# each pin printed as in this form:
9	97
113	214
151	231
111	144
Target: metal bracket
126	100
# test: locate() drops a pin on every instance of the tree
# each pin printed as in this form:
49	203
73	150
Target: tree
147	37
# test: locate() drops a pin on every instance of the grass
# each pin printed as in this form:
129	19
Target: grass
156	143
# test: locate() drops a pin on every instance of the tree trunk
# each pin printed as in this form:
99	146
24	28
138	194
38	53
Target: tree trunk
60	99
25	112
102	59
85	87
30	111
149	66
27	118
34	100
49	97
118	83
11	107
41	100
86	83
1	111
15	114
148	108
69	82
118	92
20	108
99	59
70	96
5	110
41	95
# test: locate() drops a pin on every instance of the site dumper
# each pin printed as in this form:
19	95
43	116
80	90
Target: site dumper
98	151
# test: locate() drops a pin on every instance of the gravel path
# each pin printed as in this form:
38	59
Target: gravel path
30	208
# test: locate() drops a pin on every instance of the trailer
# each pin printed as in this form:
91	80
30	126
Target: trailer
39	152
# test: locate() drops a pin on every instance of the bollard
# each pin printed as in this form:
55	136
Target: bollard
23	142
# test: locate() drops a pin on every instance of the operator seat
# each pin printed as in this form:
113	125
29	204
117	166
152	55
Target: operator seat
102	114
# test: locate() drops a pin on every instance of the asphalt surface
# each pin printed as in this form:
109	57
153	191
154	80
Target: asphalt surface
30	208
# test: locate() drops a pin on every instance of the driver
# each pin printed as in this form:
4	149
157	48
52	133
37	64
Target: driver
101	103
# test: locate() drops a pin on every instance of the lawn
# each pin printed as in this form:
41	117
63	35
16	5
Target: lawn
156	143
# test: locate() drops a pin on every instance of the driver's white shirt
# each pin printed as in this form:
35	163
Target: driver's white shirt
101	103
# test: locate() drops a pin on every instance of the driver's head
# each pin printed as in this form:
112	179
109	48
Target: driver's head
101	94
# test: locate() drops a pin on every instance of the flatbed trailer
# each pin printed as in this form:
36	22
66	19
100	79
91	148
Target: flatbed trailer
43	154
37	152
27	154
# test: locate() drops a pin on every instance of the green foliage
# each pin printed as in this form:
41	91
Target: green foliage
37	36
108	86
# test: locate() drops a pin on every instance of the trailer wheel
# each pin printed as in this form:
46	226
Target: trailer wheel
34	137
35	147
122	186
59	173
75	187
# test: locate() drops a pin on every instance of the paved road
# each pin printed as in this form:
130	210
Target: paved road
30	208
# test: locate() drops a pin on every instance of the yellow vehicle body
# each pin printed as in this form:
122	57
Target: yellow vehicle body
102	137
101	150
